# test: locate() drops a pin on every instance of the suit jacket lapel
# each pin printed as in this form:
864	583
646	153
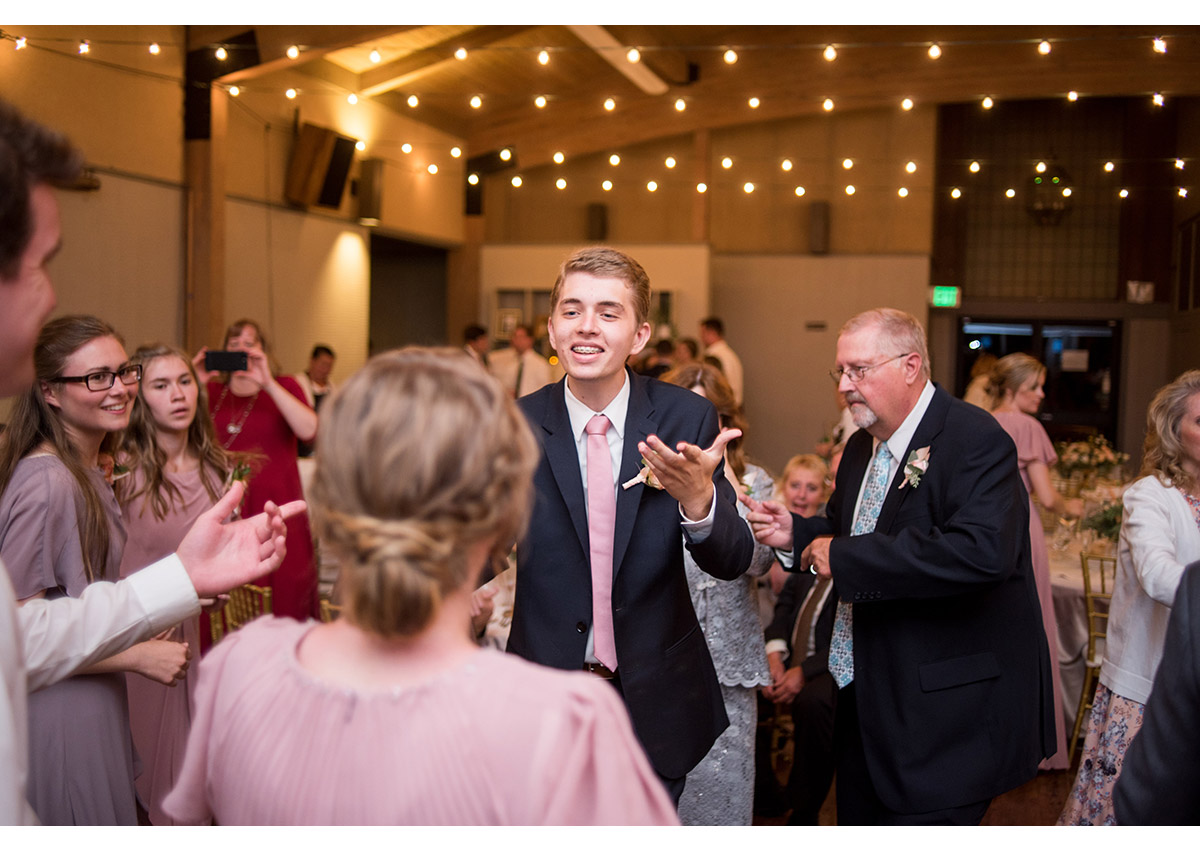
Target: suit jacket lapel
639	424
850	478
563	456
928	429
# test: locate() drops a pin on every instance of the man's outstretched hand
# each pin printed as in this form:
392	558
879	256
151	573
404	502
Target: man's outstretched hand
686	472
219	556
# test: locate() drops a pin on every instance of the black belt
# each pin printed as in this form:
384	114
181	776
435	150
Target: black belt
599	670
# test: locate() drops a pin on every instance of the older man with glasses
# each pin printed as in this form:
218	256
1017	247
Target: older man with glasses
937	649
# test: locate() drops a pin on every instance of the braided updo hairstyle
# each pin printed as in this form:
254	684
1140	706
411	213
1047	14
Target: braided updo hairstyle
421	456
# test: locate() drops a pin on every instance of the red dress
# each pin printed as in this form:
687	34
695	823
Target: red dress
274	476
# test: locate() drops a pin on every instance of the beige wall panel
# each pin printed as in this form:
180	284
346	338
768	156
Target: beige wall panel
766	303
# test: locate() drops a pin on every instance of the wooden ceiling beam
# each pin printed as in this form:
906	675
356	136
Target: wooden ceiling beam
613	52
273	41
397	73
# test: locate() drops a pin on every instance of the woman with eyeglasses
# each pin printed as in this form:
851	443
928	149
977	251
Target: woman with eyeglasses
61	529
176	471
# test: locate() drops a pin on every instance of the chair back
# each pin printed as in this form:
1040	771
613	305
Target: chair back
245	604
1099	575
329	611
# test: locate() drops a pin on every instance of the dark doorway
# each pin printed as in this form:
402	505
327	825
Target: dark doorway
1082	368
408	294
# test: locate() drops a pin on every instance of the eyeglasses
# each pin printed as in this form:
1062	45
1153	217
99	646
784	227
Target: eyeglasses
131	374
858	373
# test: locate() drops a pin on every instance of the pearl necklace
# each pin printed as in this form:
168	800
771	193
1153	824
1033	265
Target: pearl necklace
234	429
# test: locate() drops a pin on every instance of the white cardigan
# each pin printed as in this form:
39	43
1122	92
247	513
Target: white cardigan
1159	538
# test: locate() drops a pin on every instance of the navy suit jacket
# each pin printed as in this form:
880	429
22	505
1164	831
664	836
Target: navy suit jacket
667	677
951	667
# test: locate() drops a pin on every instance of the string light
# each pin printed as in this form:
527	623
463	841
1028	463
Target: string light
669	162
1159	45
680	105
352	99
799	191
234	91
155	49
559	157
955	192
935	51
406	147
413	100
1044	48
906	104
747	187
560	183
20	43
506	154
902	192
987	102
731	56
828	105
473	178
456	152
544	57
1040	168
476	101
727	162
540	101
701	188
1109	166
221	54
830	53
1158	99
754	103
850	189
432	168
786	165
293	52
360	145
652	186
460	54
610	104
847	163
607	185
910	166
1124	193
85	47
1179	164
374	56
516	181
974	168
1072	96
633	55
615	159
1182	192
1010	193
1066	192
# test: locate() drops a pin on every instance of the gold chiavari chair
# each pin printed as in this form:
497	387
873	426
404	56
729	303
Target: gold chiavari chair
1099	574
245	604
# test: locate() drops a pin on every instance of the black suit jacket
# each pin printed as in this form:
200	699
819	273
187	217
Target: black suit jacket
1160	781
667	676
951	668
783	624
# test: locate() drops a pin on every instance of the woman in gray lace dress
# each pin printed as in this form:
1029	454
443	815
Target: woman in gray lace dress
720	790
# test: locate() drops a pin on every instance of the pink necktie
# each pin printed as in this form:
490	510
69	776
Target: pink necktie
602	522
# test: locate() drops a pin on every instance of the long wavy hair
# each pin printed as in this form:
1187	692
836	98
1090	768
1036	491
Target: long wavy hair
1162	452
139	444
35	423
717	390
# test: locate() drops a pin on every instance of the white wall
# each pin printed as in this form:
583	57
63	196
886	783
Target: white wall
767	304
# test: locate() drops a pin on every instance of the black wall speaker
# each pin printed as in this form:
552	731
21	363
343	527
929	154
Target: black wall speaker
318	167
818	227
597	222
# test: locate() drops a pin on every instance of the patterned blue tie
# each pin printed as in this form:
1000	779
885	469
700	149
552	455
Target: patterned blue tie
841	648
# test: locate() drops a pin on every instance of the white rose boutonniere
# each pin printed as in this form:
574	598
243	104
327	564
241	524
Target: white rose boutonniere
644	477
915	466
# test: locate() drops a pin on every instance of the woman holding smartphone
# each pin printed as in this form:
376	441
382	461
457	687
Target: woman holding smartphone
256	413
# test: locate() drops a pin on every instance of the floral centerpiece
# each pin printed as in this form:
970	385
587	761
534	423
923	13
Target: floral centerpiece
1105	521
1094	455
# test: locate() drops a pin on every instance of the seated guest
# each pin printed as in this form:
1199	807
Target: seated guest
1159	536
392	714
660	360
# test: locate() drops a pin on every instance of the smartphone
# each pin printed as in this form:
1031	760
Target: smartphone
225	361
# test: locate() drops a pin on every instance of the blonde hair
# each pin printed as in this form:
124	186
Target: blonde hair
1010	374
607	263
420	457
716	390
898	331
1163	453
814	464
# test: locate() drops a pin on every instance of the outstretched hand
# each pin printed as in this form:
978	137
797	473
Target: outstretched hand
770	521
219	556
686	471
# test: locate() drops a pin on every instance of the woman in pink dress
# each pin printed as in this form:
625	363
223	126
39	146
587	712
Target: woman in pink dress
1016	388
61	529
258	414
392	714
176	471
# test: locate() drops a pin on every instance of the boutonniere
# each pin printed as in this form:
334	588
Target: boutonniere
645	476
915	466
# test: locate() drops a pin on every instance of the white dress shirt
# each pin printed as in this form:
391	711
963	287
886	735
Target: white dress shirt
45	641
616	410
731	366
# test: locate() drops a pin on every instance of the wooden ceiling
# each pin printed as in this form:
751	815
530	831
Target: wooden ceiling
783	66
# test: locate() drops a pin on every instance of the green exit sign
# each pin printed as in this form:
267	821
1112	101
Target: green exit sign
945	296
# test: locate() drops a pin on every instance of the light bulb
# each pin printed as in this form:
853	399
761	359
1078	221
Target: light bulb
406	147
633	55
847	163
1160	45
1044	48
221	54
540	101
560	183
680	105
20	43
902	192
352	99
1182	192
850	189
1010	193
610	104
360	145
701	188
1158	99
955	192
460	54
730	56
85	47
374	56
1179	164
476	101
1072	96
431	168
1040	168
559	156
1066	191
155	49
974	168
987	103
291	94
754	102
828	105
516	181
830	53
456	152
727	162
472	178
652	186
506	154
934	51
669	162
234	91
747	187
799	191
1124	193
906	104
544	57
615	159
910	166
413	100
1109	166
606	186
293	52
786	165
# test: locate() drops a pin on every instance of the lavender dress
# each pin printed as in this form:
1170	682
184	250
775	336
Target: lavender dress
81	757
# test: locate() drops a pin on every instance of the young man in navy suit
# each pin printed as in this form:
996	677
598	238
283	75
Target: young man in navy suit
944	694
645	638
